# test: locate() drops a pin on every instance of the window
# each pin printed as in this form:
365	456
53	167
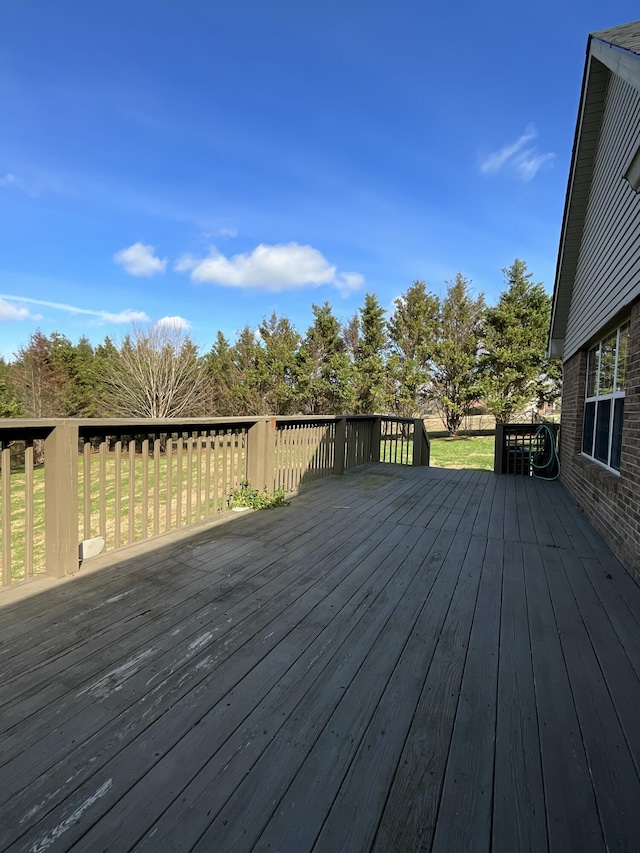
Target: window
604	403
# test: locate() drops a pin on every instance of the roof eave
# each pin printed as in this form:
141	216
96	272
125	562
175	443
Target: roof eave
552	351
603	57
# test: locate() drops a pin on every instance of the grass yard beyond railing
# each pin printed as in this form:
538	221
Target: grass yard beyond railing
66	485
471	452
475	452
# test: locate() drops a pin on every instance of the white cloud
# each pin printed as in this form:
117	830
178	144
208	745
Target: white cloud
126	316
523	161
287	266
10	312
174	323
494	162
529	163
348	282
10	181
227	232
186	263
140	260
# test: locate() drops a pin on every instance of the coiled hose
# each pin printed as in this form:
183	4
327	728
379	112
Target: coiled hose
545	463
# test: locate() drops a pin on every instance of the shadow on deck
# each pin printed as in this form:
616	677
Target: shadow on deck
403	659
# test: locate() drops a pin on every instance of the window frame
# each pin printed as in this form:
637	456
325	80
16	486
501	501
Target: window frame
608	397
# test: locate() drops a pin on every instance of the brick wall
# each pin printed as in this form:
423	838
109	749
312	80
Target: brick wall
612	503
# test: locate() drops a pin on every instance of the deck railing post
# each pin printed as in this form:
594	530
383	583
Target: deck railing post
376	437
255	461
260	450
339	447
270	454
61	499
498	453
418	428
426	446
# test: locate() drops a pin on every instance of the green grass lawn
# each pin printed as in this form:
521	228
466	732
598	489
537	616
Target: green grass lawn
475	452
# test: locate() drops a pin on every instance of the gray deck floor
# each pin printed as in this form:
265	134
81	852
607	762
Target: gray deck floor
403	659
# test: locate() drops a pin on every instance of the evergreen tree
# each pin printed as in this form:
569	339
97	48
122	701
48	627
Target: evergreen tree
10	405
325	372
104	361
218	369
39	378
412	332
373	387
246	389
514	363
351	336
276	365
80	389
455	376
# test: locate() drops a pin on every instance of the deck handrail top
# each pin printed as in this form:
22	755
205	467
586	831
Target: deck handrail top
43	423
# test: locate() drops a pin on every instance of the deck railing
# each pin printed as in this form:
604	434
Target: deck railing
518	446
69	485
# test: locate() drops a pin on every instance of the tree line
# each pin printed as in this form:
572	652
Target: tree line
453	353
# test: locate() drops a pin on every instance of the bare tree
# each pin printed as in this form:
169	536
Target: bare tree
156	373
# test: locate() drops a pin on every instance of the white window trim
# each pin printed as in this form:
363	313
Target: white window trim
597	398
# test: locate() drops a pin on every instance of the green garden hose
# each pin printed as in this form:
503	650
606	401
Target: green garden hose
545	463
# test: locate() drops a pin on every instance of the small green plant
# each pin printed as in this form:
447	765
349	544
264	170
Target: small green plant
245	496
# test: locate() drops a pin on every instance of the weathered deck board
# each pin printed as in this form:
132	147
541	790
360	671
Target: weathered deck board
189	675
474	507
23	619
496	520
518	799
481	523
573	822
511	516
173	651
81	639
365	787
404	659
611	764
618	672
326	731
251	686
237	755
186	591
411	808
468	781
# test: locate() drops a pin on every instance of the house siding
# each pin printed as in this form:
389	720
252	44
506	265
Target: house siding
587	135
611	502
608	270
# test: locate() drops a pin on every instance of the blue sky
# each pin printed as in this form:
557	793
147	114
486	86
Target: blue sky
213	162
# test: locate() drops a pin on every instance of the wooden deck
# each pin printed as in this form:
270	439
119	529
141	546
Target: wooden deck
403	659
